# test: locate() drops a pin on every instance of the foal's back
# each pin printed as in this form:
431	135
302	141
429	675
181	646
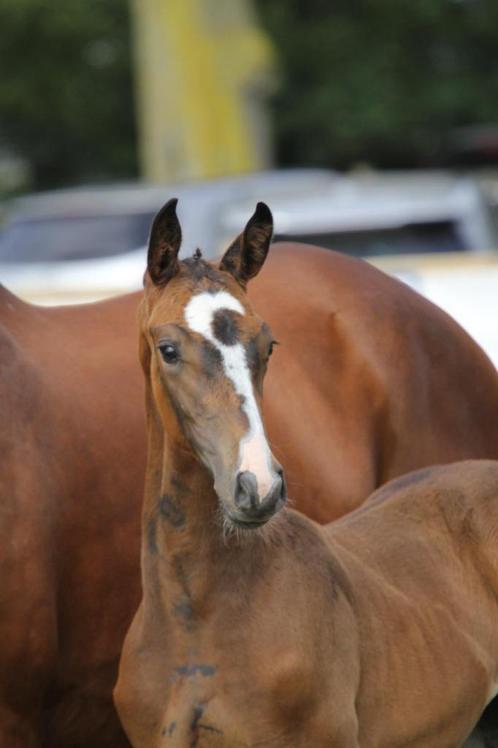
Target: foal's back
421	564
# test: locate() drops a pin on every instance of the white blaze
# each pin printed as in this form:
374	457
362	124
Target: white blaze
254	452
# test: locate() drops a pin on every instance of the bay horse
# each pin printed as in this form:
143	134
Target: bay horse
377	631
369	381
69	505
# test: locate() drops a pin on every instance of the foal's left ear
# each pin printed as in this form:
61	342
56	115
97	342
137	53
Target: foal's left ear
245	257
164	244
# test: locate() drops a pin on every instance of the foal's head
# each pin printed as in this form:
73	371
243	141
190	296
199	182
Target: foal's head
205	354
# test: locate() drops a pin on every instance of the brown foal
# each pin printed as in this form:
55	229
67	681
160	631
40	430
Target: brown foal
377	631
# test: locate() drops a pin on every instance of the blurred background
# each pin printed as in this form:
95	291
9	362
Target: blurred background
369	126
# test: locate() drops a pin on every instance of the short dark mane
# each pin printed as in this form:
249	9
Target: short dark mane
198	269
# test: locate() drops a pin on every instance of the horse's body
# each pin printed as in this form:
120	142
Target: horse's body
369	381
378	631
72	456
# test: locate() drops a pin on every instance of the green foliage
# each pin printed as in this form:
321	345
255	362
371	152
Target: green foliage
66	90
377	81
381	81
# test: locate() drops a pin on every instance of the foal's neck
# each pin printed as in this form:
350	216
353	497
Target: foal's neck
188	560
184	546
183	506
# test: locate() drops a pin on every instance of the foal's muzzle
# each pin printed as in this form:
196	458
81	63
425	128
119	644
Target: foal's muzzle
251	510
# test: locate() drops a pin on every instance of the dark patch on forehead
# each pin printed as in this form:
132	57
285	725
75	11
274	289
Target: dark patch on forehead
211	358
225	326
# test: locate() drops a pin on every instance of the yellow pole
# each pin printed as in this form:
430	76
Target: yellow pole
203	72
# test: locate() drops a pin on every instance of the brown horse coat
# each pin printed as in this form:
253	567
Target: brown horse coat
377	631
72	461
370	380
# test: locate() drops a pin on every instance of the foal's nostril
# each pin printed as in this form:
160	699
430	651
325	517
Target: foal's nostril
250	504
283	486
246	491
279	489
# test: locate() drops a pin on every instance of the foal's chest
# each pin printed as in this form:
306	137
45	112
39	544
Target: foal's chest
198	723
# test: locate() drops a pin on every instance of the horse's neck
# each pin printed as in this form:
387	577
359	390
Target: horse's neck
183	535
187	560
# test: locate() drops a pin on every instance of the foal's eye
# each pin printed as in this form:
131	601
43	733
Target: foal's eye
170	353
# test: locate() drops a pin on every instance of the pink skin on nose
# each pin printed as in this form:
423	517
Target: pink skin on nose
254	454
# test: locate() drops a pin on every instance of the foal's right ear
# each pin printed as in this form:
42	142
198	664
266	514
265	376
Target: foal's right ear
246	255
164	244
